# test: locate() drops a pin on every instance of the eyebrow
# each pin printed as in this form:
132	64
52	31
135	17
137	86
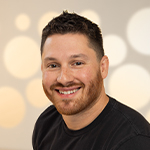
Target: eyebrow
49	58
72	56
78	56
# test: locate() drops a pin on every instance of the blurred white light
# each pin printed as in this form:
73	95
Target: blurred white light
45	19
22	57
138	31
12	107
115	48
130	84
36	95
92	15
22	22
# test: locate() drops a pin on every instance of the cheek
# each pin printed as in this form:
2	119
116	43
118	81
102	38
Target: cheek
48	79
85	75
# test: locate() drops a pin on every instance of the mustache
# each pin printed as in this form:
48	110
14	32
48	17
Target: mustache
54	86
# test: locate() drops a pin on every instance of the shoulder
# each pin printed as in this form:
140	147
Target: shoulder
48	113
131	117
48	120
139	142
48	117
129	128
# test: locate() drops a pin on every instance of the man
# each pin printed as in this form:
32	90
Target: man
82	117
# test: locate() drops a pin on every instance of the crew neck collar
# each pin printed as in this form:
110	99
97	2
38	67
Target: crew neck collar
92	125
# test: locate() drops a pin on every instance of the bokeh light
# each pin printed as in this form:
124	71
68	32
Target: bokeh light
115	48
130	84
45	19
22	57
22	22
92	15
36	95
12	107
138	31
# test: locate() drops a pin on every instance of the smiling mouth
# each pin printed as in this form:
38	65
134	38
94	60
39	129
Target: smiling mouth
67	92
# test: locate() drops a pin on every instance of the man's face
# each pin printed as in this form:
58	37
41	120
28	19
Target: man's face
71	73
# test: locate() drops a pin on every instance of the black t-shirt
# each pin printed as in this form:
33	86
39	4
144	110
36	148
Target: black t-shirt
118	127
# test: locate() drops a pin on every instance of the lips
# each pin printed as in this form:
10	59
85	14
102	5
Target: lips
66	91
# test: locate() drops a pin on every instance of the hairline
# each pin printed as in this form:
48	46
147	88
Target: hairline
90	42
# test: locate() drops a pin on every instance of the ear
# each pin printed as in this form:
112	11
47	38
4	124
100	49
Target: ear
104	66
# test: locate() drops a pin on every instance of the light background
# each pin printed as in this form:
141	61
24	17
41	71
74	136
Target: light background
126	30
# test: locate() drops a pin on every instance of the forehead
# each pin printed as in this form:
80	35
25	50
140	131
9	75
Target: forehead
66	45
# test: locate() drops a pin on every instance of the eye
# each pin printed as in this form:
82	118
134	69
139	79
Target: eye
52	66
78	63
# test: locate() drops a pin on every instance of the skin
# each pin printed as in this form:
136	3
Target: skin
69	64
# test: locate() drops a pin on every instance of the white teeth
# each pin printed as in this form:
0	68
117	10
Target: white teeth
68	92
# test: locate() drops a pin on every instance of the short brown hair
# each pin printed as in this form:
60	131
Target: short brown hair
73	23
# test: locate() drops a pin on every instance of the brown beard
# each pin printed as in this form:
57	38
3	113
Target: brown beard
88	98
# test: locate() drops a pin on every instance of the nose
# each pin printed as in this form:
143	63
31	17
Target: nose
65	76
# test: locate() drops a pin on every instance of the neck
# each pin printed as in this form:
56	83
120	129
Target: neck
81	120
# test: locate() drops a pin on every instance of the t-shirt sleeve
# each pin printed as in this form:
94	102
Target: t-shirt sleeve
139	142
